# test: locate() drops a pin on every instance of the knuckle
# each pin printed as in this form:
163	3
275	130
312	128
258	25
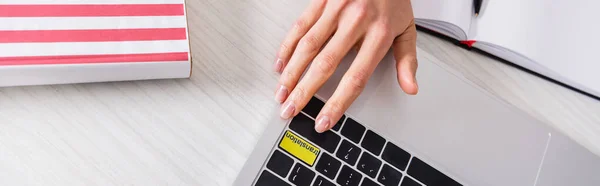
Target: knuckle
335	107
384	21
383	29
326	63
300	25
356	82
287	78
310	43
357	14
382	35
361	10
284	49
300	93
384	32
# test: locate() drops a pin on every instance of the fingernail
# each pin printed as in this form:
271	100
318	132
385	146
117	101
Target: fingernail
322	124
281	94
287	110
278	65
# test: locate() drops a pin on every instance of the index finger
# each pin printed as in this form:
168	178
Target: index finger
308	18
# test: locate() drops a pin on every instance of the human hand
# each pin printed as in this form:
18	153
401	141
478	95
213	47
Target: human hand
325	33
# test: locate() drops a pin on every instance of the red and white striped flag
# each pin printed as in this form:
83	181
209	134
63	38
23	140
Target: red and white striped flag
72	41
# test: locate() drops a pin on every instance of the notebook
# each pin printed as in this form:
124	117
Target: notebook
554	38
80	41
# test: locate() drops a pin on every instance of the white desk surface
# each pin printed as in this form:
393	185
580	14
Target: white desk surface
199	131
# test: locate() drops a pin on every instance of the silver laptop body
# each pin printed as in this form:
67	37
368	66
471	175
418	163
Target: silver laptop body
460	130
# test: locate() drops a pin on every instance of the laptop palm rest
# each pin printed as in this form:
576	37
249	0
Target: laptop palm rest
568	163
450	124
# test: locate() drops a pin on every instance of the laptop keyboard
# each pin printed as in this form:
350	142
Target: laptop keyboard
348	155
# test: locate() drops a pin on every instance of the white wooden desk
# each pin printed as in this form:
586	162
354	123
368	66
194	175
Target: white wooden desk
199	131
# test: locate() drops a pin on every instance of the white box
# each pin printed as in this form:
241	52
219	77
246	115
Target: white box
79	41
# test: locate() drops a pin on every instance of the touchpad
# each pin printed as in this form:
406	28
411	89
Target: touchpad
453	126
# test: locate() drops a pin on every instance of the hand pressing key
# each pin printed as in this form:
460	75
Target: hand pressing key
373	26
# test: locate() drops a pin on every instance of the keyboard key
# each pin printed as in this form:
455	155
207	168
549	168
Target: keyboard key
328	166
313	107
368	182
280	163
428	175
353	130
305	126
369	165
268	179
373	142
301	176
389	176
348	177
348	152
409	182
299	148
320	181
395	156
338	125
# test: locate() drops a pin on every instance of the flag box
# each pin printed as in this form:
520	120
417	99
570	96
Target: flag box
80	41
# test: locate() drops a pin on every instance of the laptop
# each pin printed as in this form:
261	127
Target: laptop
451	133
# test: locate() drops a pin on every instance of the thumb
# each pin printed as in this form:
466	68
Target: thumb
405	53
